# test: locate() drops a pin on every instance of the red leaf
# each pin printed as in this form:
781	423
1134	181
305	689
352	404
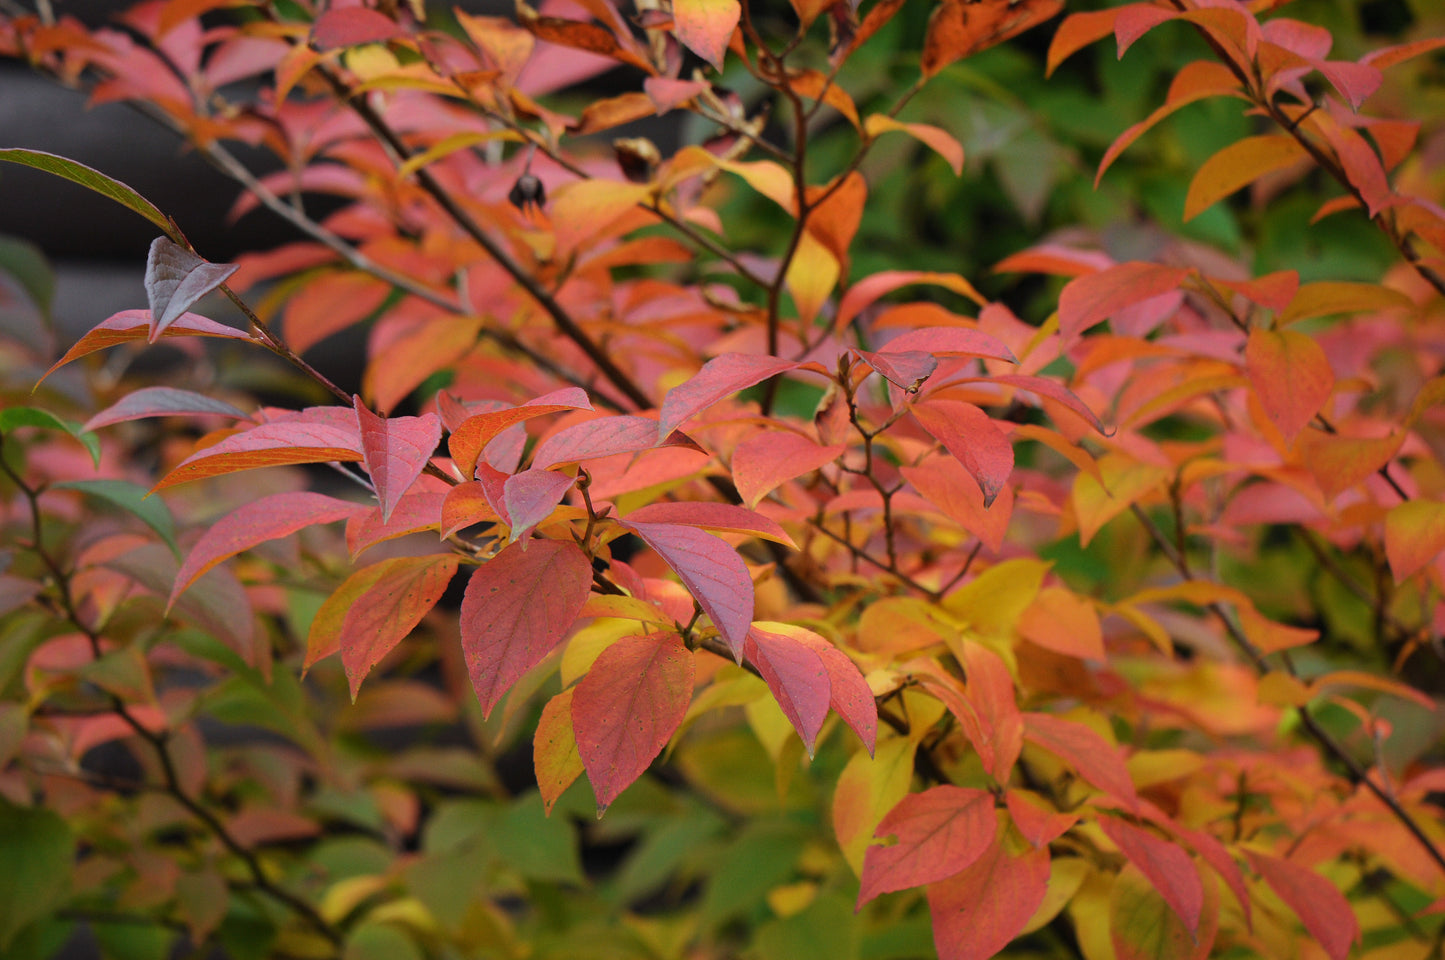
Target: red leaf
1291	376
907	369
401	591
466	504
129	326
1166	865
313	435
771	457
1046	388
943	482
720	377
591	439
870	288
162	402
416	511
713	573
395	451
990	691
706	26
627	707
176	279
350	26
1325	912
473	434
939	832
797	678
269	518
724	517
1214	854
950	342
1096	760
1093	298
848	692
977	912
531	496
517	607
1037	825
967	432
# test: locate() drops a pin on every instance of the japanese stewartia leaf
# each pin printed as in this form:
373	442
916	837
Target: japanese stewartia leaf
868	788
1197	81
1048	389
1323	910
971	436
395	450
1238	165
585	209
93	180
472	435
1064	622
132	498
870	288
849	694
1122	481
330	303
591	439
517	607
1095	297
554	749
12	418
797	678
948	486
1340	463
990	692
950	342
466	504
176	279
1414	536
1291	377
1034	820
350	26
711	570
1166	865
706	26
769	458
724	517
314	435
39	851
162	402
960	29
719	377
939	833
1078	31
1096	760
907	369
626	708
530	497
1327	298
1143	926
399	592
978	911
941	141
132	325
418	509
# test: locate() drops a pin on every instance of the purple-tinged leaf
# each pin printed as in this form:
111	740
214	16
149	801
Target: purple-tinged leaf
711	570
176	279
418	510
796	676
402	592
602	437
530	497
720	377
848	692
352	26
473	434
1323	910
162	402
129	326
396	451
905	368
1095	759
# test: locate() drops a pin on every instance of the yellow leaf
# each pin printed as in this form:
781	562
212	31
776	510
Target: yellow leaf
584	209
1239	165
1329	298
992	603
811	277
1125	481
867	789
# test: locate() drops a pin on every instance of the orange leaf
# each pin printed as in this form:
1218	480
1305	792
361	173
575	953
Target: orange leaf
398	594
706	26
1078	31
941	141
978	911
939	832
1327	298
314	435
1237	166
1339	463
1093	298
554	749
1125	481
1414	536
1197	81
329	304
961	28
1064	622
1291	377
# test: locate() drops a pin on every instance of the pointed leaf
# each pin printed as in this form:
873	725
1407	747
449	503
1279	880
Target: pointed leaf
869	289
1414	536
720	377
1238	165
591	439
1341	463
1291	377
162	402
466	504
395	451
351	26
723	517
472	435
1143	926
40	850
314	435
530	497
770	458
1076	32
797	678
978	911
418	510
1166	865
12	418
950	342
706	26
517	607
990	692
398	594
130	497
554	749
1095	297
129	326
848	692
943	482
176	279
1036	824
93	180
971	436
713	573
941	141
960	29
1325	912
939	833
626	708
1096	760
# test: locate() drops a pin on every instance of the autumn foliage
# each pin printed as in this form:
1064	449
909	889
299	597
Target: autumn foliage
1058	577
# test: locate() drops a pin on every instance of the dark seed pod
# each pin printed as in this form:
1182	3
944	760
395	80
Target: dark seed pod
638	158
527	192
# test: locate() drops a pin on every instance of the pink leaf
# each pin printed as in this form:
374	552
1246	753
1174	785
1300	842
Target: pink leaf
948	486
1094	297
1096	760
848	692
991	693
602	437
626	708
1046	388
967	432
350	26
473	434
869	289
176	279
261	520
950	342
706	26
1321	907
939	832
713	573
313	435
771	457
907	368
713	516
1165	864
797	678
517	607
162	402
531	496
396	450
128	326
416	511
720	377
977	912
381	617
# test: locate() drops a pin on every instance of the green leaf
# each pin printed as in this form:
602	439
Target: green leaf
94	180
15	417
381	941
132	498
24	261
38	851
537	847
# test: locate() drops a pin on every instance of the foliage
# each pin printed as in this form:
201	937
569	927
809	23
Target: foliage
899	562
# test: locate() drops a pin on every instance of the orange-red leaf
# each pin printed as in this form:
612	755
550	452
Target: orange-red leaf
1078	31
395	451
314	435
719	377
398	594
128	326
939	832
771	457
941	141
517	607
961	28
1095	297
1414	536
971	436
1325	912
1291	377
797	678
723	517
1237	166
706	26
626	708
590	439
1096	760
473	434
1166	865
978	911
